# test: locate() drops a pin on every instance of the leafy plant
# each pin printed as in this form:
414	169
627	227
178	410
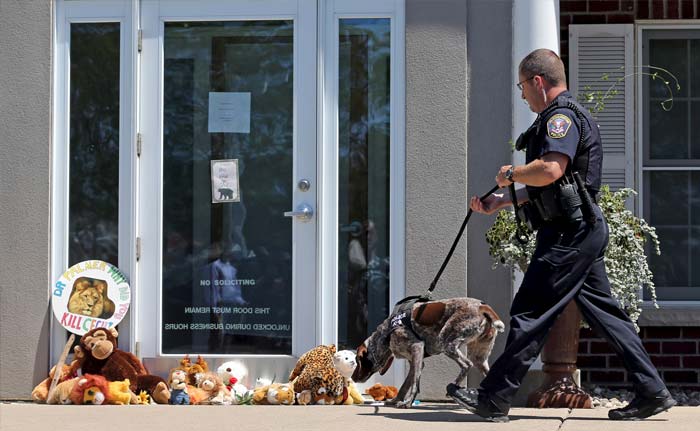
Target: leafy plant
244	399
625	258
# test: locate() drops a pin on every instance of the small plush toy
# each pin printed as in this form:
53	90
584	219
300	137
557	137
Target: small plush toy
90	389
41	391
143	398
120	394
177	382
214	388
98	353
192	370
232	374
380	392
344	361
276	393
61	395
315	372
262	381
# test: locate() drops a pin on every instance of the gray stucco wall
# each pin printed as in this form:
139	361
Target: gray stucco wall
457	75
489	120
436	157
25	92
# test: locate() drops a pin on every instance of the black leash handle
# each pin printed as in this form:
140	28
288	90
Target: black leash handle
456	241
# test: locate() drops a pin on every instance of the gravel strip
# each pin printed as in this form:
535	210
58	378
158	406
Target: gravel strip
614	398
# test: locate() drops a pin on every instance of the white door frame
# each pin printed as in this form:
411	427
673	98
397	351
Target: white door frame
330	13
125	12
154	14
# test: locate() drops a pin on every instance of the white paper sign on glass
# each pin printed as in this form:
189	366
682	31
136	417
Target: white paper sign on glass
229	112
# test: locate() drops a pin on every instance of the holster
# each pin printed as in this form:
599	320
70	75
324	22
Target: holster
560	202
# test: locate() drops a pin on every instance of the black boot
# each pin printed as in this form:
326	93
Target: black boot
642	407
478	405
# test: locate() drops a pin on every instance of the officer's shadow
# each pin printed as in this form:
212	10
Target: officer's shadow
438	413
453	413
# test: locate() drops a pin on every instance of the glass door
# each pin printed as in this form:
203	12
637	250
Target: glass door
228	183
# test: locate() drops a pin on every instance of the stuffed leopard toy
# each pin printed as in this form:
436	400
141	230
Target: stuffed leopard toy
315	379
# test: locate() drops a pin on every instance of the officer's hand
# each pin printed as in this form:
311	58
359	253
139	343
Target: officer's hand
488	206
501	177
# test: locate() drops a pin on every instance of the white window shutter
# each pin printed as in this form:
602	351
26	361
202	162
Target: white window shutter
596	50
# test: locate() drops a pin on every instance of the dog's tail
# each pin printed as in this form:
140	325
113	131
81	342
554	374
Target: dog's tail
492	317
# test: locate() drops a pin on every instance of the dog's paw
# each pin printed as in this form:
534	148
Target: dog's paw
404	404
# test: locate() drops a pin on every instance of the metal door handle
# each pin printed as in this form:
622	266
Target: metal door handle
304	212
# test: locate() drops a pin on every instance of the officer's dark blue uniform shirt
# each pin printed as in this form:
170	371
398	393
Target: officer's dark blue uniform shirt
558	128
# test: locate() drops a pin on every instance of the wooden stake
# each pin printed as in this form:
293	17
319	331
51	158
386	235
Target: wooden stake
59	366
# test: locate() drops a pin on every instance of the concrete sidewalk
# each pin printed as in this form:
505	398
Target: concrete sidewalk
425	417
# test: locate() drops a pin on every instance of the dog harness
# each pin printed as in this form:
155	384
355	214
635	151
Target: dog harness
401	315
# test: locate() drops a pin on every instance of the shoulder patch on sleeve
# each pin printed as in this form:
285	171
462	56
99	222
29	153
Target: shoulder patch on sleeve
558	126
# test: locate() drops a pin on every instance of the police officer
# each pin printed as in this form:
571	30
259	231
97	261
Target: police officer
571	239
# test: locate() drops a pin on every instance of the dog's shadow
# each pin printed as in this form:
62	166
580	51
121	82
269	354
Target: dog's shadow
436	413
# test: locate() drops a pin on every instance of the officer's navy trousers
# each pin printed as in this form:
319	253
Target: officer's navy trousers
567	265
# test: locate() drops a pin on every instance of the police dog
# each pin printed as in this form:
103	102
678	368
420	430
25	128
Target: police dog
442	326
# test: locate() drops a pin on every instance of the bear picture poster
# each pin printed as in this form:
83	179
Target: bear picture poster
224	181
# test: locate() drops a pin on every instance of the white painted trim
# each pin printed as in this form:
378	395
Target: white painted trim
671	168
641	27
87	11
332	12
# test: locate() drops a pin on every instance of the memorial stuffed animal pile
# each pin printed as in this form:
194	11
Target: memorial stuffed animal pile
103	374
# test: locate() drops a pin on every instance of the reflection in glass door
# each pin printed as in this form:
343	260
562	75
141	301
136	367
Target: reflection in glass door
227	276
363	177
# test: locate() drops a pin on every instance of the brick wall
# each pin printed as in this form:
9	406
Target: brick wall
620	12
675	351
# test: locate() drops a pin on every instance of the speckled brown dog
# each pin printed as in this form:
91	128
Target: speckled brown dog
442	327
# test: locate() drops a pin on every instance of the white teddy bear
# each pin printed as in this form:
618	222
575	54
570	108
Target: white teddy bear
232	373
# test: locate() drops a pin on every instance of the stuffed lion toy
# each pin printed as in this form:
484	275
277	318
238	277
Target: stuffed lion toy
274	394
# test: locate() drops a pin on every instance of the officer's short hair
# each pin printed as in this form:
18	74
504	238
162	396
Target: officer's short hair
545	63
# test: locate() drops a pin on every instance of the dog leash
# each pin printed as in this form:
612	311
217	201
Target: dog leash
426	296
456	241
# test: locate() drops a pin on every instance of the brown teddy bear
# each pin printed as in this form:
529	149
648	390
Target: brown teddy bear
381	393
217	393
192	370
98	354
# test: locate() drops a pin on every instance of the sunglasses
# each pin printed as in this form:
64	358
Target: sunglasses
520	84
